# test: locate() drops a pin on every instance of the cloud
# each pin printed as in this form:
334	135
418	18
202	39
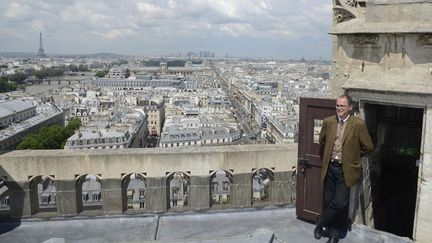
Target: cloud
165	21
16	10
38	25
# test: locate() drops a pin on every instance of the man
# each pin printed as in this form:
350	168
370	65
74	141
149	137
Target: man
345	139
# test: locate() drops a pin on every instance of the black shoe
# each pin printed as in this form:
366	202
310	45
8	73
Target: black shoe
318	229
333	239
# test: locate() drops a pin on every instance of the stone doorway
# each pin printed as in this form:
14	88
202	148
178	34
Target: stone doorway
397	134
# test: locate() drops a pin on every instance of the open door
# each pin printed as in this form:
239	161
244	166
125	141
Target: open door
397	134
309	186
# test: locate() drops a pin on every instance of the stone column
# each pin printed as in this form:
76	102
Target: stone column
111	196
66	197
33	195
200	192
241	190
422	230
19	194
157	194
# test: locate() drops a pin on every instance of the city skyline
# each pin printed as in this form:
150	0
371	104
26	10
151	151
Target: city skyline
237	28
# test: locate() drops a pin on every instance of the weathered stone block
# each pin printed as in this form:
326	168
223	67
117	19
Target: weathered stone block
280	187
112	195
157	194
19	199
241	190
200	192
66	197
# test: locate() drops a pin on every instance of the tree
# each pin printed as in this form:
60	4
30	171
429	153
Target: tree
18	77
101	73
73	68
74	124
6	86
30	142
48	72
52	137
127	74
83	68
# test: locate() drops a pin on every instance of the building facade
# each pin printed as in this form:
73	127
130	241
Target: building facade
14	111
382	57
155	111
43	115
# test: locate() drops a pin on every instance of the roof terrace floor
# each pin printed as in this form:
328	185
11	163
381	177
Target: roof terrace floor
270	224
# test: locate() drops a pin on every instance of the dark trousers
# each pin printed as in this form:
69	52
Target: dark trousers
336	199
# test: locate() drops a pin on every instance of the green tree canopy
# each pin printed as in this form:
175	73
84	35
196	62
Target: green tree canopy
48	72
83	68
6	86
18	77
73	68
52	137
101	73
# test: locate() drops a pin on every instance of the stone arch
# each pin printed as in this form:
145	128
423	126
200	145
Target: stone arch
261	180
134	196
178	185
43	195
88	192
4	196
220	187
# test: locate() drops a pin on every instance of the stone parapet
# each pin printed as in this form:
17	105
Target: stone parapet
69	168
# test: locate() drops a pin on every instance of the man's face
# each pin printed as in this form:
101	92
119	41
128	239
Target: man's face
343	109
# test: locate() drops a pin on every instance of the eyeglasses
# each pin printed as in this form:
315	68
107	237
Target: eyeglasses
340	106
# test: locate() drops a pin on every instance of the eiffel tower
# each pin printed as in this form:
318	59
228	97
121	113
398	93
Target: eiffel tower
41	51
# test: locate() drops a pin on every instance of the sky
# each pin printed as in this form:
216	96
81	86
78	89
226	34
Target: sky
242	28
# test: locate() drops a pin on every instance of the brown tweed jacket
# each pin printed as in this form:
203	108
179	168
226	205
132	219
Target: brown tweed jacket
355	141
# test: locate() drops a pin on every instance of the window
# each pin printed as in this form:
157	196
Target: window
46	199
174	192
225	185
215	186
96	196
142	204
5	202
130	193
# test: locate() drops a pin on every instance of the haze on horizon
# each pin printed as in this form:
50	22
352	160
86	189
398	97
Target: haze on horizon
246	28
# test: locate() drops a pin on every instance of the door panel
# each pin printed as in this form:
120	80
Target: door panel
309	185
